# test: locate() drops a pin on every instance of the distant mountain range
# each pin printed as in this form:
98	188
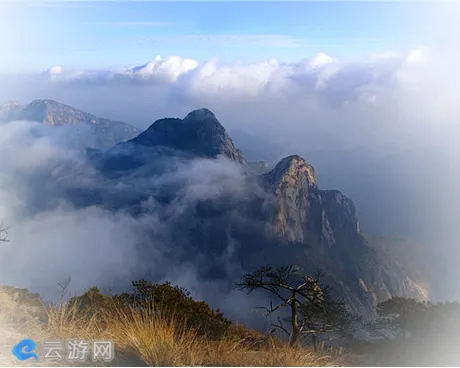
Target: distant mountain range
103	133
277	218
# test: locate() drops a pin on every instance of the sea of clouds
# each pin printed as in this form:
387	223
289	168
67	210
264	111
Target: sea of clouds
53	239
383	129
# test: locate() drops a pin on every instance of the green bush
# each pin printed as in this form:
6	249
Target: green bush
165	299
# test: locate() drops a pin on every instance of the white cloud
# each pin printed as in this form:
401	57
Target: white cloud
167	70
384	91
53	239
320	59
55	70
381	76
417	56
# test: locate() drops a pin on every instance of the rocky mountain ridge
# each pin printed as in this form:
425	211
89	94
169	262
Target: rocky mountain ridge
326	223
285	216
103	133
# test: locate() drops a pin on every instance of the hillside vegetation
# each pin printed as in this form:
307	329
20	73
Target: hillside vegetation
154	325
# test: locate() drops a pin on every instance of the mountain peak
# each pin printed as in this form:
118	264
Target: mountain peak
200	114
291	170
44	103
199	133
53	113
9	104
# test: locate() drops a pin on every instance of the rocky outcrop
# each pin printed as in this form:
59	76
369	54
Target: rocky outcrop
325	222
306	213
292	181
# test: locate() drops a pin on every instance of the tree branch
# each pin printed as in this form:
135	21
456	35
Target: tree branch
3	233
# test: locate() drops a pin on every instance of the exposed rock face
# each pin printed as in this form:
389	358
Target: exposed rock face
199	133
326	223
292	181
306	213
103	133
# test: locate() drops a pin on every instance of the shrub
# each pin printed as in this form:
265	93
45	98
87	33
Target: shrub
165	300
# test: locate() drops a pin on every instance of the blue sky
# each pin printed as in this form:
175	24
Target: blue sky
100	34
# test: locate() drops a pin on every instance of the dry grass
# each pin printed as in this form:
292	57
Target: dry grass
64	321
143	338
156	340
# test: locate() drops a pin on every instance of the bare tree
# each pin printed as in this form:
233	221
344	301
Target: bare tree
3	233
312	310
64	287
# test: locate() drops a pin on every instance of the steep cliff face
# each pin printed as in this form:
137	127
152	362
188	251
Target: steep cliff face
306	213
292	181
326	223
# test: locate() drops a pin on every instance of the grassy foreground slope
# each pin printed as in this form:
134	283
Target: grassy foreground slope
169	329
